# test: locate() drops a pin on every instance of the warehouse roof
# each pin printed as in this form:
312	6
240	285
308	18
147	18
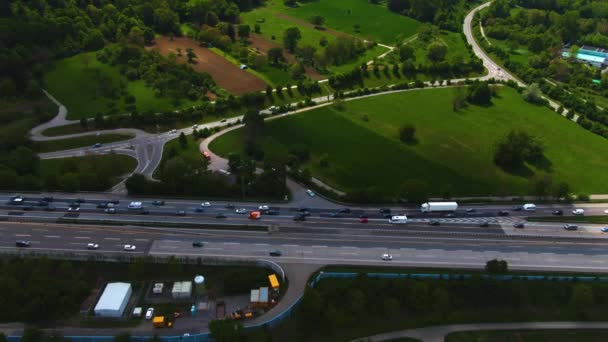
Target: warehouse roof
113	296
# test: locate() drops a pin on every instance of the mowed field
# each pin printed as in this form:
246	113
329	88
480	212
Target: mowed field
226	74
454	151
376	22
77	87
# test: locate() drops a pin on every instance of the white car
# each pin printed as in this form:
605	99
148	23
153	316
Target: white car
205	204
241	211
110	211
92	245
129	247
73	209
578	211
263	207
149	313
173	131
387	257
310	193
605	211
194	126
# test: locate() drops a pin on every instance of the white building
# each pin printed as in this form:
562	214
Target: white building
113	300
181	289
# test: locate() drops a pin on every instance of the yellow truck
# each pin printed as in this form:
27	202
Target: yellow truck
158	321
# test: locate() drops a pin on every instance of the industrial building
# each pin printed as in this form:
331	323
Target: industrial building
590	55
113	300
181	289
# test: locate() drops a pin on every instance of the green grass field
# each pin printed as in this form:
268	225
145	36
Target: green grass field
78	88
87	140
529	336
376	22
454	41
455	150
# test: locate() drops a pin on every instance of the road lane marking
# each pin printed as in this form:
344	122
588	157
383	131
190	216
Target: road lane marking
52	236
290	245
231	243
24	235
81	237
40	229
260	244
349	253
212	248
115	239
349	247
318	246
142	240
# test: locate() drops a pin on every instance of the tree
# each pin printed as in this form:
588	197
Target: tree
406	52
479	93
191	55
183	141
24	160
407	133
562	191
497	266
516	148
533	94
291	37
542	185
414	191
225	330
459	101
244	31
275	55
290	3
437	52
317	20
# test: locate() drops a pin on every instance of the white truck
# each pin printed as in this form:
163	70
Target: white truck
398	219
431	207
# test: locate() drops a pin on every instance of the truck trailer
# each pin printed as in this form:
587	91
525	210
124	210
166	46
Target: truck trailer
431	207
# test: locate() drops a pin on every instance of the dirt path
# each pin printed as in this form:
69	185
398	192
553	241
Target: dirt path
225	74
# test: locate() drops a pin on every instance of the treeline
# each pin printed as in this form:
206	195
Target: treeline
40	289
335	308
447	14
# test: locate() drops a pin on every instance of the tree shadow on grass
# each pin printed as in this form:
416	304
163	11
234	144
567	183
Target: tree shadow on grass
522	170
543	164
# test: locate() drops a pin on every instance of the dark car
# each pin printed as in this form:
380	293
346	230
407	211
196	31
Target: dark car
449	215
305	213
80	200
570	227
518	225
144	212
470	210
199	209
517	208
75	205
50	208
434	223
558	212
28	207
385	210
220	215
299	218
484	224
114	201
197	244
344	211
336	214
229	206
271	212
42	203
503	213
180	213
303	209
22	243
158	202
275	253
102	205
48	198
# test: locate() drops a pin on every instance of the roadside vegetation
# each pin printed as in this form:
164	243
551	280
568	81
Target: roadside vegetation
529	336
452	154
346	309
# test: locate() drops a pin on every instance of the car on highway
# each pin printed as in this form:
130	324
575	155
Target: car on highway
42	203
518	225
449	215
263	207
484	224
180	213
80	200
229	206
199	209
220	216
434	223
363	219
344	211
17	200
149	313
158	202
102	205
144	212
275	253
299	217
271	212
305	213
570	227
604	230
517	208
73	209
198	244
205	204
558	212
223	120
50	208
92	245
606	211
75	204
114	201
578	211
173	131
47	198
529	207
241	211
470	210
129	248
22	243
96	145
503	213
28	207
385	210
310	193
110	211
387	257
335	214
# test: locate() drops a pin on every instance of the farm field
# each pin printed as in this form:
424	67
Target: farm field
76	86
454	152
227	75
376	22
87	140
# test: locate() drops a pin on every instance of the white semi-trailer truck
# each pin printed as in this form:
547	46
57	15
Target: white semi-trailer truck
431	207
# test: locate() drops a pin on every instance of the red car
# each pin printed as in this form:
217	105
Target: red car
206	154
363	219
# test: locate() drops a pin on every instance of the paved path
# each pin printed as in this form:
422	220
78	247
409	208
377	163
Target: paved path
438	333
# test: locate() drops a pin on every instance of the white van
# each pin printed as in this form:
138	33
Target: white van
398	219
529	207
